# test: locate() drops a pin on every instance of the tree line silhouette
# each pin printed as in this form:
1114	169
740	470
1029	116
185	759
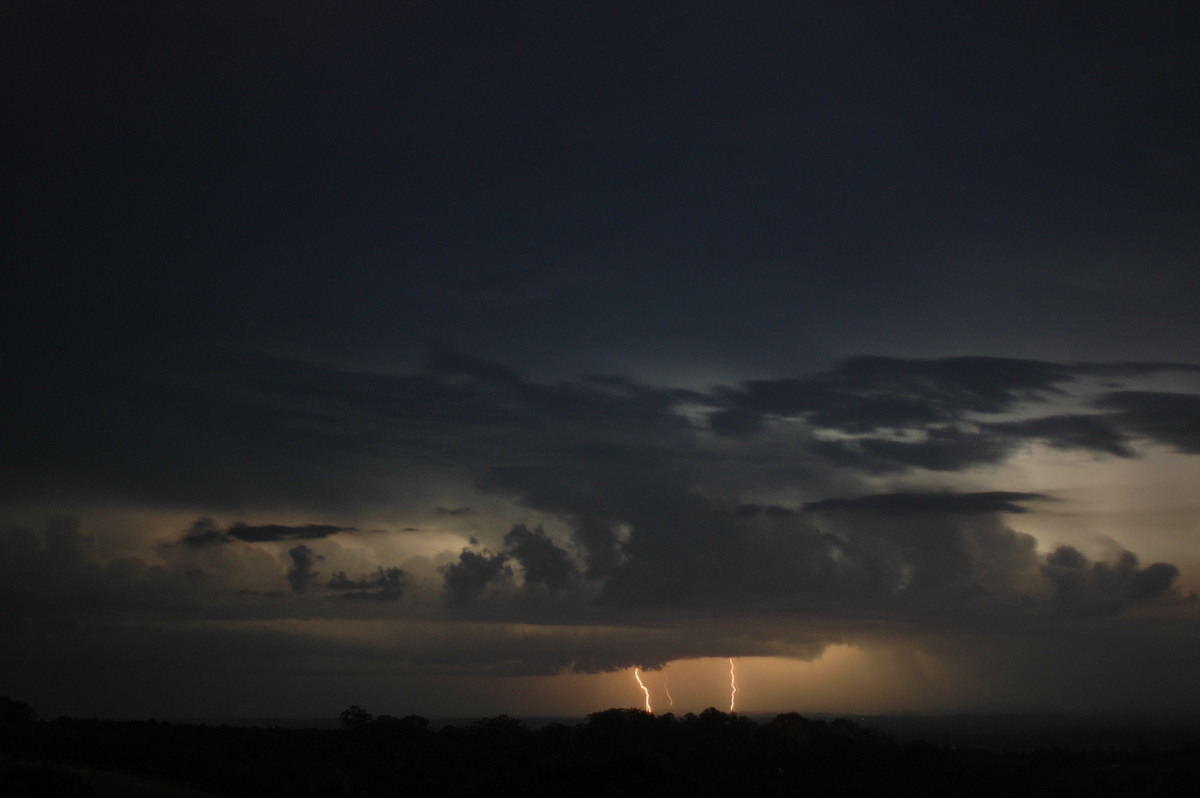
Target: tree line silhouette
617	752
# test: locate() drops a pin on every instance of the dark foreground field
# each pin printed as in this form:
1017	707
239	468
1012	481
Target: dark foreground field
619	752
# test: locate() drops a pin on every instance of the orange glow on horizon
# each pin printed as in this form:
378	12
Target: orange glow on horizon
845	679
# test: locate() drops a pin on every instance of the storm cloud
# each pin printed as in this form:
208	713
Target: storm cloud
302	573
466	579
205	532
541	560
368	356
864	394
1172	419
628	475
1105	584
947	502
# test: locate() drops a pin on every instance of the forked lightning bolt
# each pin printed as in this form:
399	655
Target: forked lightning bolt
637	675
732	686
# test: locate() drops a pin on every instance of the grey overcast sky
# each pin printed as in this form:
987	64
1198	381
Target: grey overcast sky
458	358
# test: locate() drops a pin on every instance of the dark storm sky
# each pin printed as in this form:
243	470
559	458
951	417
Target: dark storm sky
596	319
710	187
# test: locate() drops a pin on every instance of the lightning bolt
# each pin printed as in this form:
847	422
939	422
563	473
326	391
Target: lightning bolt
732	686
638	675
667	688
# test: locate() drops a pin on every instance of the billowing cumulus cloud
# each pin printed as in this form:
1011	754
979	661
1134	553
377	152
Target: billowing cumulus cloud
541	560
466	579
1104	585
302	572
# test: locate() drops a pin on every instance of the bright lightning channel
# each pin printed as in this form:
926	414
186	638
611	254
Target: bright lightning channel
732	686
637	675
667	690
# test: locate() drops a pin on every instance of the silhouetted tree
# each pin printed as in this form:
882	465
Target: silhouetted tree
14	713
355	717
408	726
498	726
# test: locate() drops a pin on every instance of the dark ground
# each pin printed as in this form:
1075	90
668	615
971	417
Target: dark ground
618	752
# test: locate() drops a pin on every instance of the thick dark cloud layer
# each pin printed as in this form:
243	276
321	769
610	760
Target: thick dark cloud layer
301	430
205	532
939	404
1096	433
1172	419
864	394
995	501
